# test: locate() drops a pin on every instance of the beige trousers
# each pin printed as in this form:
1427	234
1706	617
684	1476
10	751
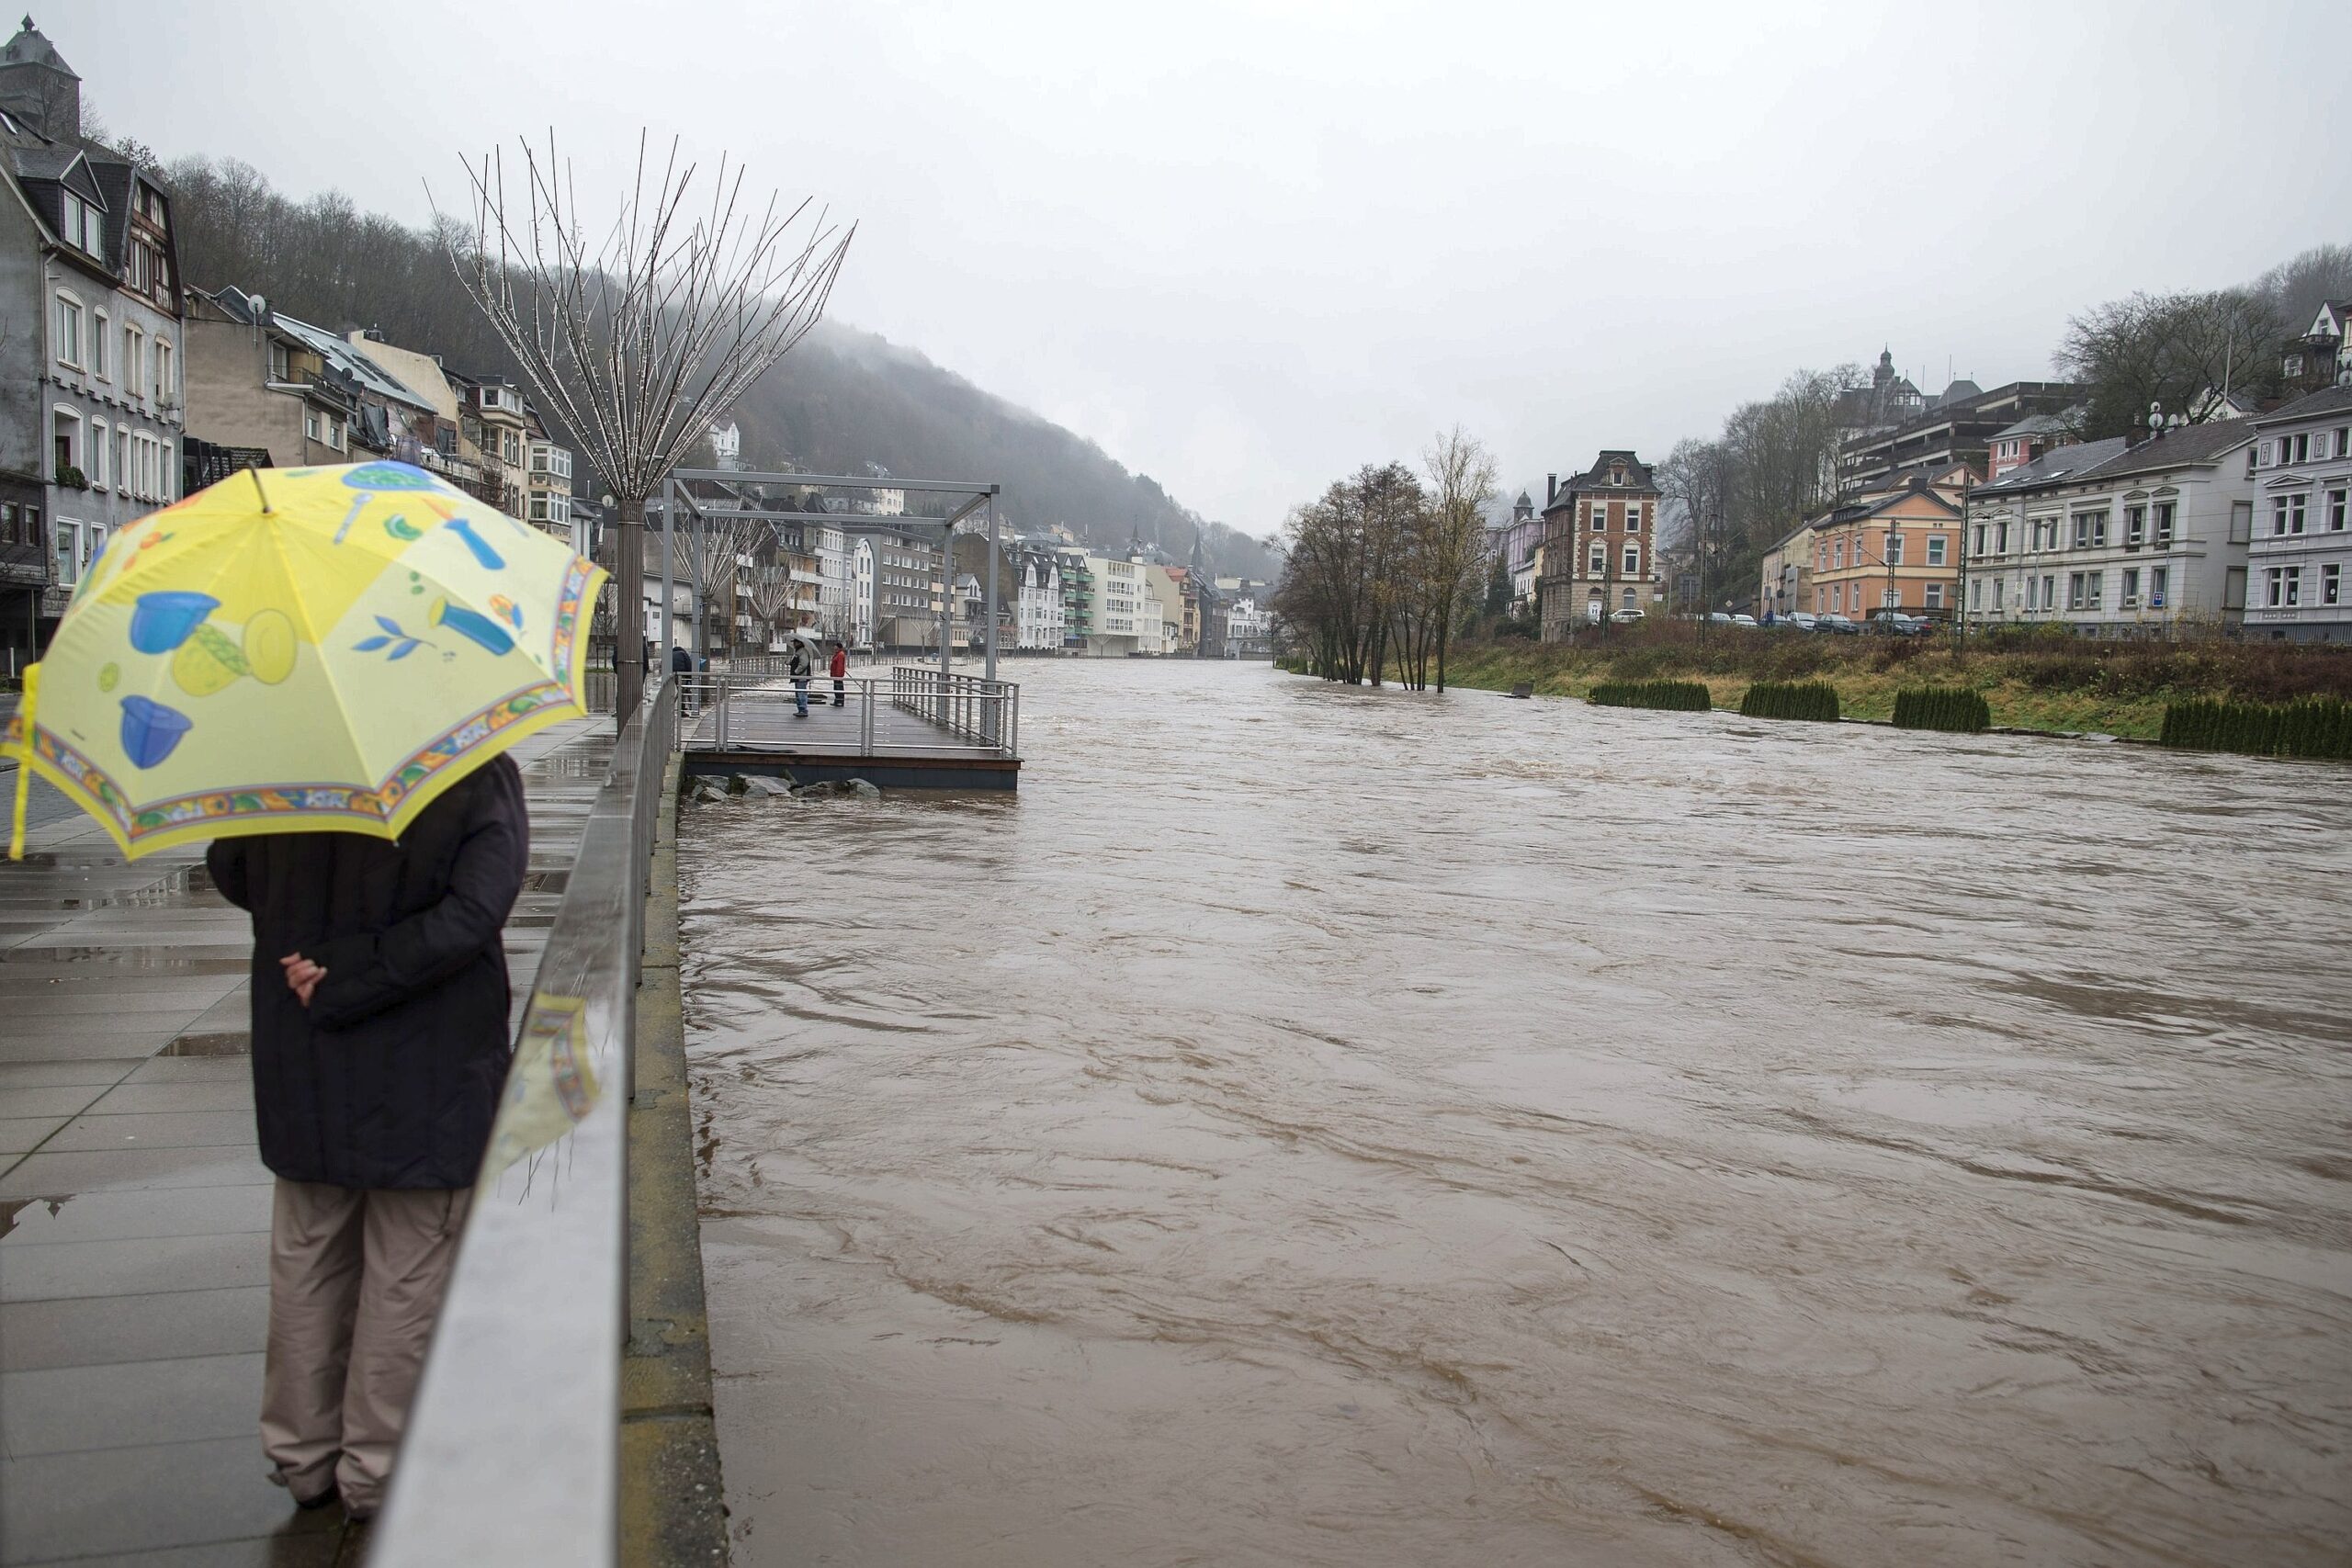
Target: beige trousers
356	1277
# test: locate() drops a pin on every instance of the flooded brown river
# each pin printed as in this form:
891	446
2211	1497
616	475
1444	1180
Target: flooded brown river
1327	1126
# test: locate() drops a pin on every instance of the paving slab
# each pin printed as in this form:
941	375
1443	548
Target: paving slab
73	1409
196	1094
170	1130
130	1266
115	1216
144	1498
78	1331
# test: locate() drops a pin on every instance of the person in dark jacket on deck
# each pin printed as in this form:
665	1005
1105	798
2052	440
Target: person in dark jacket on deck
380	1048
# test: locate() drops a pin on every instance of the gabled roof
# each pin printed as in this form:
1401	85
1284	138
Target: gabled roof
2036	425
2327	399
2188	443
2055	466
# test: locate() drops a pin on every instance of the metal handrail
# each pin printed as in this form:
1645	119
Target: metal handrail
972	715
512	1449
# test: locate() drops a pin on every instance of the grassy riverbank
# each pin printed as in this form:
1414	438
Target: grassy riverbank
2054	684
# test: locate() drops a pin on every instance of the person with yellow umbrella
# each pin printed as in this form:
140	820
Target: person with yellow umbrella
322	670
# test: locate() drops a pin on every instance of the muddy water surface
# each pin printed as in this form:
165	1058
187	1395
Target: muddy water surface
1318	1126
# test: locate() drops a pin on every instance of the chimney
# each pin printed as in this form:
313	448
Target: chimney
1551	488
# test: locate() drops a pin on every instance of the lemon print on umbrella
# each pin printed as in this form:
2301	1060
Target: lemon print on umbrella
209	661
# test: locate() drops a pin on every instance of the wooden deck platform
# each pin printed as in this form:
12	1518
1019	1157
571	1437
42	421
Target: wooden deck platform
904	751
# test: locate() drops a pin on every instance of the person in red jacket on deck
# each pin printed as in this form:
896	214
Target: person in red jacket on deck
840	672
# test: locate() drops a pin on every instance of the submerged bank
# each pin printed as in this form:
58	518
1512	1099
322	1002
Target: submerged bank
2061	686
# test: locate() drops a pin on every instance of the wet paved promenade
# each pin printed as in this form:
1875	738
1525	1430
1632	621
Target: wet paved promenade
134	1211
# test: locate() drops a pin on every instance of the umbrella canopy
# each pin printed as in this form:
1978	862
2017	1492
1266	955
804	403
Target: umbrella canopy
302	649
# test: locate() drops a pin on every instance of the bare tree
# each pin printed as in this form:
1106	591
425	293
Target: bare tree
710	552
1462	480
2171	349
636	341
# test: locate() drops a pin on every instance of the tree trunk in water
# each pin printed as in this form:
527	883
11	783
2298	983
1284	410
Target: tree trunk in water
628	609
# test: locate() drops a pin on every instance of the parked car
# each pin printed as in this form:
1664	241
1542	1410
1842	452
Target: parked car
1747	620
1894	623
1627	617
1804	620
1838	624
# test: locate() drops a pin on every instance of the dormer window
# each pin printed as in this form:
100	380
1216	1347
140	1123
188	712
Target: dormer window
1617	473
85	228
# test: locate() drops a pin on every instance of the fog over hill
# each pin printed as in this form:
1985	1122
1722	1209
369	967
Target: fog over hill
840	400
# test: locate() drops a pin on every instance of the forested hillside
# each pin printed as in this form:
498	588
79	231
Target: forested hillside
842	400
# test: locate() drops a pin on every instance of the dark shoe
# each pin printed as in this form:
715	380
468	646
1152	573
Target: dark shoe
326	1499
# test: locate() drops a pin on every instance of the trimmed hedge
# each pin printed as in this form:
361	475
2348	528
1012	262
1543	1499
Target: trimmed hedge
1955	708
2312	727
1778	699
1682	696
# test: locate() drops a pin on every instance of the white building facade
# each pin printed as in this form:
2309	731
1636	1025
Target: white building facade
860	601
1117	585
2117	541
2299	559
1040	618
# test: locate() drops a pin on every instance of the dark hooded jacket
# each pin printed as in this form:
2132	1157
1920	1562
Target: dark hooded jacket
391	1076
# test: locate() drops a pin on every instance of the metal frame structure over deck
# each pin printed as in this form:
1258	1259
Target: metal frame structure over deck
973	497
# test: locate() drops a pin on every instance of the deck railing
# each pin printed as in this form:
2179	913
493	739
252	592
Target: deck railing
512	1450
987	713
754	712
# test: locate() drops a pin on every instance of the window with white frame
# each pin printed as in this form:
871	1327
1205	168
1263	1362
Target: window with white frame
2331	584
134	359
2136	526
1998	583
2090	530
310	423
100	328
2081	586
2130	587
1978	547
122	459
2165	510
1633	560
1893	547
1932	596
2159	579
1976	593
2287	515
1633	519
101	444
167	382
167	474
1936	549
2335	510
67	535
1599	564
84	227
66	325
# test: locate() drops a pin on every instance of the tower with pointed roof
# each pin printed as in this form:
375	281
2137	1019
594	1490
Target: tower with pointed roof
38	89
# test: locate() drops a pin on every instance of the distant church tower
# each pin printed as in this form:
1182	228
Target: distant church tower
38	88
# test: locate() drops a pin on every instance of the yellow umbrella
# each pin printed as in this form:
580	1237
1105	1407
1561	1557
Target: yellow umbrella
302	650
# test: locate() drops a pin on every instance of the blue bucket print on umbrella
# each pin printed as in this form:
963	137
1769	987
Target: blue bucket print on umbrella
391	475
160	622
150	730
473	628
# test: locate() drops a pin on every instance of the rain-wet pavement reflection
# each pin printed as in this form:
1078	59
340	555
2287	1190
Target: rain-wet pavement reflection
1321	1126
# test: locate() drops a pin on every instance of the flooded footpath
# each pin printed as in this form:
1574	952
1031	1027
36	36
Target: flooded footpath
1311	1125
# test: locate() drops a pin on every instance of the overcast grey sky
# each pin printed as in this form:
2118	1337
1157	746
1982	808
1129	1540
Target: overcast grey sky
1248	246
